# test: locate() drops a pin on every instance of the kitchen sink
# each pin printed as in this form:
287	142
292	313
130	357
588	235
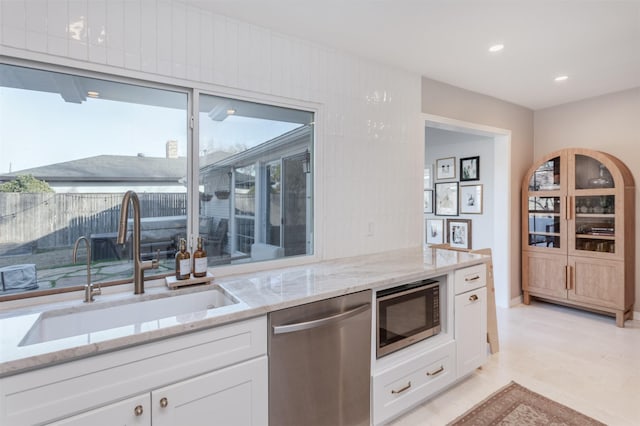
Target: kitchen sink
94	323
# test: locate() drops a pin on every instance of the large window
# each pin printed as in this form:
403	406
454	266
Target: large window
72	143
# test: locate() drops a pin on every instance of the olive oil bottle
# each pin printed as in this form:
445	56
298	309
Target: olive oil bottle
183	261
200	261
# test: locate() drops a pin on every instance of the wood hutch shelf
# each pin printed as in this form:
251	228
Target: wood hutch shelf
578	232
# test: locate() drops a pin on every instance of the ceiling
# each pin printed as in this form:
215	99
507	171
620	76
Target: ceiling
596	43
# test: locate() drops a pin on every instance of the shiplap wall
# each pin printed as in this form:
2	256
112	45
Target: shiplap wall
369	147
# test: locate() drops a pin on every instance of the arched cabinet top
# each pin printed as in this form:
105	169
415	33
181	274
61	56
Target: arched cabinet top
577	169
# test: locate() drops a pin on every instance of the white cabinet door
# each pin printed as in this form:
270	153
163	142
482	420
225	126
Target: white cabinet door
471	330
236	395
134	411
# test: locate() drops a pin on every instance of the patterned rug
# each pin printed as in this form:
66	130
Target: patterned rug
518	406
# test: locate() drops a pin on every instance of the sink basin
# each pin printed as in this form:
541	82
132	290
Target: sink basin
94	323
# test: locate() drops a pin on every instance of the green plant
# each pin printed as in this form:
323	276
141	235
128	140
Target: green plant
25	183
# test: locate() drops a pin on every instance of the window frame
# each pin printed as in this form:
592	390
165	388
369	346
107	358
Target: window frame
193	89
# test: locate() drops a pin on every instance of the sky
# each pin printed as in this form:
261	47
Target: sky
40	128
71	131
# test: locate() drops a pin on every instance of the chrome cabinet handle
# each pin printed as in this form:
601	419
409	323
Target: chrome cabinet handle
435	373
164	402
473	297
401	389
290	328
138	410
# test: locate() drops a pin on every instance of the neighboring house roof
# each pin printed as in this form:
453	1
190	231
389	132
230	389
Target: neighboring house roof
109	168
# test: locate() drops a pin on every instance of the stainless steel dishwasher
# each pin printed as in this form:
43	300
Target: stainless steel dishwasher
319	363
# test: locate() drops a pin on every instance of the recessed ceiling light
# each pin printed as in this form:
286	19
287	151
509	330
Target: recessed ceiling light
93	94
231	111
496	48
561	78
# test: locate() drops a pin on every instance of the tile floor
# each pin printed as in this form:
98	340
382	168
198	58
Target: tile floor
577	358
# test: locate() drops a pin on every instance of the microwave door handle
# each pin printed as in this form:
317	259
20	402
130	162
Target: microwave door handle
307	325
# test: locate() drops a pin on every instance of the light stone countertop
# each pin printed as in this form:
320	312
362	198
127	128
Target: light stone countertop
258	292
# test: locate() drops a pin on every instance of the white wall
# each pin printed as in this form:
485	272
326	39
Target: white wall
443	144
368	175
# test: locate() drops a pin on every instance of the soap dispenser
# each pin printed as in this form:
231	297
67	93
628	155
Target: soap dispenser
183	261
200	261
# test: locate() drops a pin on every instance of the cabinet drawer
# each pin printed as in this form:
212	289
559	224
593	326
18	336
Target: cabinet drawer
470	278
411	382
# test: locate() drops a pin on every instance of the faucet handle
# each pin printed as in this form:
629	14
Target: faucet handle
90	291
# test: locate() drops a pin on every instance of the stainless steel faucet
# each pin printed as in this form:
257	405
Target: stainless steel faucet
89	291
139	266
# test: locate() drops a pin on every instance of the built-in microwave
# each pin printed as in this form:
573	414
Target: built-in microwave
407	314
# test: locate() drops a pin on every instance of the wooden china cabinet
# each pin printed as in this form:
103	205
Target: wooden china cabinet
578	232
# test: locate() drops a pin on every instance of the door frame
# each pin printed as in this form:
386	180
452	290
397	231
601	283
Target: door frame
501	245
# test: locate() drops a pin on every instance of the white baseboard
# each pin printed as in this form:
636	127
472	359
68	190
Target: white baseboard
515	301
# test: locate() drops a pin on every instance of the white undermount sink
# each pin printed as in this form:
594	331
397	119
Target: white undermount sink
95	323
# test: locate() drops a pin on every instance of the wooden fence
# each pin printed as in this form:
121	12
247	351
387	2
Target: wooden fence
46	221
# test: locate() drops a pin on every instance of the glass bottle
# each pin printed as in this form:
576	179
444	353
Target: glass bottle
183	261
200	261
601	181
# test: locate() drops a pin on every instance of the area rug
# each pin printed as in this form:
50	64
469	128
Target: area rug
518	406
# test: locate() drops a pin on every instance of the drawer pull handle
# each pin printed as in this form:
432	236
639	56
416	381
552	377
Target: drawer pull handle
475	277
401	390
138	410
473	297
164	402
435	373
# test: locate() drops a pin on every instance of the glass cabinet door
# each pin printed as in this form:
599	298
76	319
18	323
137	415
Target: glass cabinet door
594	203
546	177
544	221
543	206
595	224
591	174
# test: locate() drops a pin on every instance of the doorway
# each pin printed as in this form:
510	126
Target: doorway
494	223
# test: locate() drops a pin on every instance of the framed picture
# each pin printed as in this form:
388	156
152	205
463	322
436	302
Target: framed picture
459	233
434	230
428	201
471	199
469	168
446	168
428	177
446	202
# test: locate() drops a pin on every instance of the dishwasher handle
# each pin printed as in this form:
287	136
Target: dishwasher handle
307	325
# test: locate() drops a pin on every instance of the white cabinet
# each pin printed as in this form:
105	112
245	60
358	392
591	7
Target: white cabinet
470	318
412	380
232	396
408	377
471	330
218	370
